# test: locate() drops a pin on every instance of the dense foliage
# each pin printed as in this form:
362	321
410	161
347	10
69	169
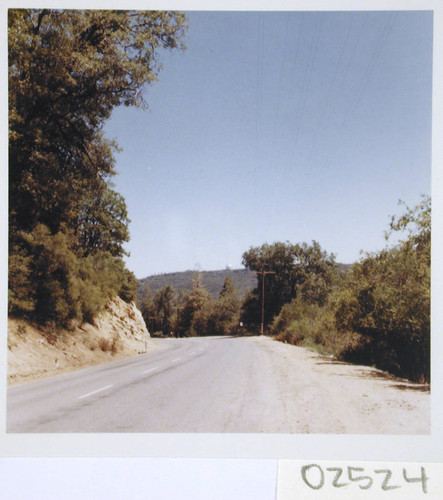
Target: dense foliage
192	313
379	314
225	315
387	300
300	270
67	71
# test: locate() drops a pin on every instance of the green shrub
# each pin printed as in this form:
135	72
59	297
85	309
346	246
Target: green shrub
21	294
128	286
387	302
388	305
52	266
313	326
380	313
50	283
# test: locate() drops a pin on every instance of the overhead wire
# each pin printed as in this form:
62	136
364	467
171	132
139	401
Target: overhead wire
292	70
355	46
308	73
312	56
259	95
280	81
369	71
324	116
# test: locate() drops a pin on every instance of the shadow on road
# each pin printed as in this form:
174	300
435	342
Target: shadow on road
373	373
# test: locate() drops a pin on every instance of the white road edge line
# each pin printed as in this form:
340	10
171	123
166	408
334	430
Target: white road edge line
176	359
95	392
150	370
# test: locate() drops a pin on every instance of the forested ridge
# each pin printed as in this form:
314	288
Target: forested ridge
244	280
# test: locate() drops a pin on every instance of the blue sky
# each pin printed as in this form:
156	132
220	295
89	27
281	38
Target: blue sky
289	126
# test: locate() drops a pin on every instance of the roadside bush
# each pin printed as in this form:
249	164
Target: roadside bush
128	286
387	302
310	325
108	345
388	305
380	313
50	274
98	280
21	294
50	283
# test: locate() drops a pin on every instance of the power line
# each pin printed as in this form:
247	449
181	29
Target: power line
324	117
308	74
371	65
259	96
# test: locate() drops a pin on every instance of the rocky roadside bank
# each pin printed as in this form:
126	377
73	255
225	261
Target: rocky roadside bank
35	352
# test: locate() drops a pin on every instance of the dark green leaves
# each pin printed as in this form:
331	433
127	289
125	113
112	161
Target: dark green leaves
300	270
387	300
68	69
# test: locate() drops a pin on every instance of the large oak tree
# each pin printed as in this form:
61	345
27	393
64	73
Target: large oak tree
300	270
68	69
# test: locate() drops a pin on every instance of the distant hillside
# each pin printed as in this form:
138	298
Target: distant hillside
243	279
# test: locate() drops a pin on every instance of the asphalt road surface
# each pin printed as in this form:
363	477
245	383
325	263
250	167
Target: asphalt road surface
216	384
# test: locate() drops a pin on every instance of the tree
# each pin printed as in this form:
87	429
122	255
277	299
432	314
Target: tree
196	310
224	317
102	223
301	270
128	286
68	69
386	300
52	274
163	307
147	307
61	286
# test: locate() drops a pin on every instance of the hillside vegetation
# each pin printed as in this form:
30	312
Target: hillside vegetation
68	69
243	280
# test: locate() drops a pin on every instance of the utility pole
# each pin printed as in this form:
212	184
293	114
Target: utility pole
263	274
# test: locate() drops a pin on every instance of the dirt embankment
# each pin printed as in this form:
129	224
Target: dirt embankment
35	352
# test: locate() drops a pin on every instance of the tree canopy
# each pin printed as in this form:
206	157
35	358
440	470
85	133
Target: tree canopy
388	296
68	69
300	269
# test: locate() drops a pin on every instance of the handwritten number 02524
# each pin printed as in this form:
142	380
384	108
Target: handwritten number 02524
314	477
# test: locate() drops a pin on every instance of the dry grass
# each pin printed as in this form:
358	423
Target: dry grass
110	345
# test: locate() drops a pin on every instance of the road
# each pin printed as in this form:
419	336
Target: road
219	385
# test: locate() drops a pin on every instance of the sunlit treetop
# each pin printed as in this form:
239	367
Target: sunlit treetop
68	69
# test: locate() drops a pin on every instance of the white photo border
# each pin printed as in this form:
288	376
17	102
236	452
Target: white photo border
426	448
